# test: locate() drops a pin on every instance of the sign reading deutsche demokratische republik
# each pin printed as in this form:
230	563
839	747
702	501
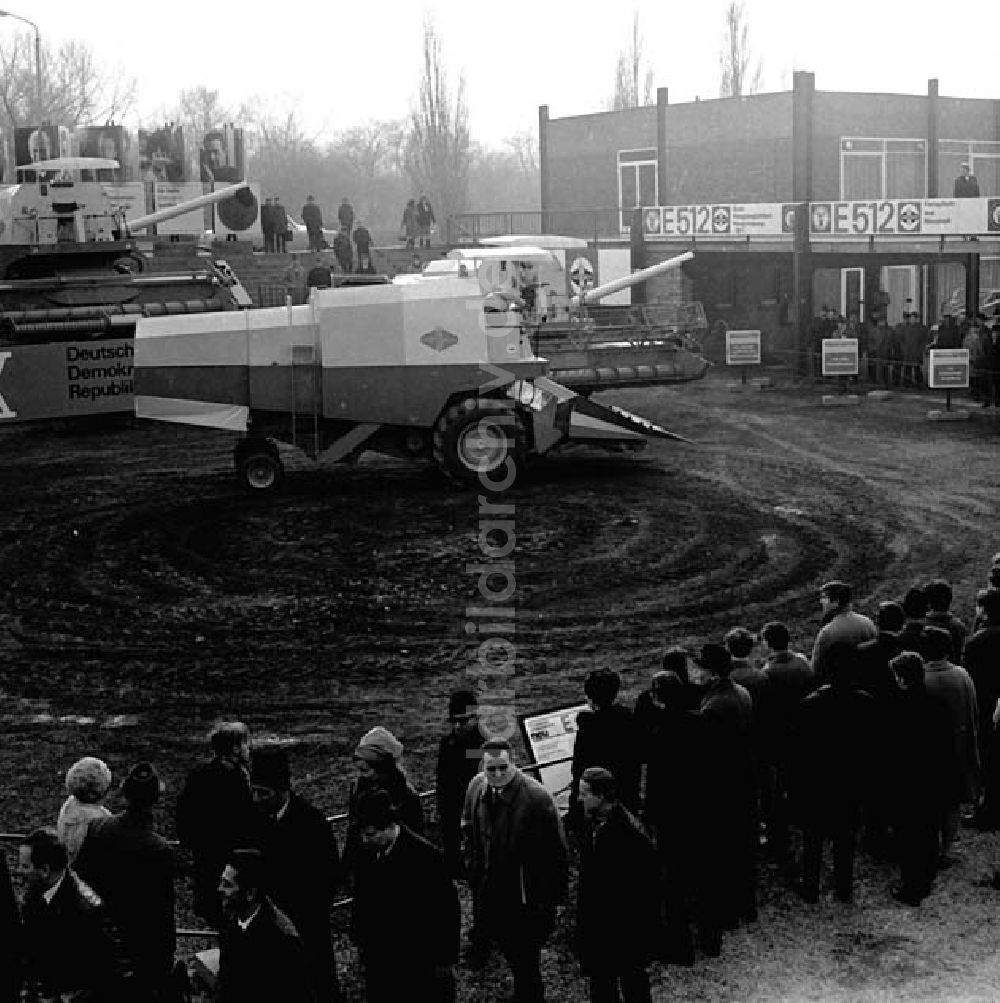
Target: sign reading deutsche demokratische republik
742	348
840	356
948	369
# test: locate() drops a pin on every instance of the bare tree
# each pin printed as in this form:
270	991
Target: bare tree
628	73
200	110
438	152
75	89
740	72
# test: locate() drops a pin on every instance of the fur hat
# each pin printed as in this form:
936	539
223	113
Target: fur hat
88	779
378	746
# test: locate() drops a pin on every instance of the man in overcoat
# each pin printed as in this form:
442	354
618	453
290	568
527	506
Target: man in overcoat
618	905
516	862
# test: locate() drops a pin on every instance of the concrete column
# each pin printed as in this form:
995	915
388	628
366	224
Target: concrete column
543	164
803	89
661	145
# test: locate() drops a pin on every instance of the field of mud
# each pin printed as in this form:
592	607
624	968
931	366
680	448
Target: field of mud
143	596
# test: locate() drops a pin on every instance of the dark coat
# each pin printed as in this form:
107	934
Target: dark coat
72	944
302	872
405	910
923	766
456	766
982	661
363	239
11	957
215	815
833	754
312	217
618	903
264	963
609	737
345	215
516	859
874	675
951	623
673	779
789	681
132	868
405	803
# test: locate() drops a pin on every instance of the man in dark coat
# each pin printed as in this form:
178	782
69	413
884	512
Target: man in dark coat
982	660
831	762
71	946
312	218
923	770
914	609
728	857
617	901
301	863
345	215
342	251
11	958
261	957
876	678
406	919
966	184
516	860
363	242
459	755
280	224
607	736
267	224
425	220
131	867
215	813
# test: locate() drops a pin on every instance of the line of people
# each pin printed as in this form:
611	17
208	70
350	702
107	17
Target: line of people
887	733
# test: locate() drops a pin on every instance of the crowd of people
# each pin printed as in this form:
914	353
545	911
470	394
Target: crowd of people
896	355
883	737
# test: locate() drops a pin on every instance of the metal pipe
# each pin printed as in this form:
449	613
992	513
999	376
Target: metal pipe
627	281
178	210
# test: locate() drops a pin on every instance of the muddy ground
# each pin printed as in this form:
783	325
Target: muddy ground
144	596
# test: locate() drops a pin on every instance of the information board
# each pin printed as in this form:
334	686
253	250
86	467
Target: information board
840	356
66	379
549	736
901	218
948	369
742	348
753	219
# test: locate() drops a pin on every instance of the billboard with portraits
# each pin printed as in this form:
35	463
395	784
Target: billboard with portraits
220	156
107	141
34	143
161	154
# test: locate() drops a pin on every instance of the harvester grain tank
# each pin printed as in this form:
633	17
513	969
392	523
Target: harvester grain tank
438	367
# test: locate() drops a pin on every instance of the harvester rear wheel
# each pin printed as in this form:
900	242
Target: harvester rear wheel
481	441
258	465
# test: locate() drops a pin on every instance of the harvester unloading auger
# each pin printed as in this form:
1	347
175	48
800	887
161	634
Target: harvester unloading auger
438	366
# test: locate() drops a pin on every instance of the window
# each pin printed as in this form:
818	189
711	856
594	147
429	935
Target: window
636	183
883	168
983	159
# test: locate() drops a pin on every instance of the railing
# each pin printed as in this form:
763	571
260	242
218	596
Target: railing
590	224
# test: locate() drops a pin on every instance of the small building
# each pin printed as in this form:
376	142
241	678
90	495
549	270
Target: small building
791	201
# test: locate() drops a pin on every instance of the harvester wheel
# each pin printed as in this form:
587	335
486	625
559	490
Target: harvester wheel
258	466
480	442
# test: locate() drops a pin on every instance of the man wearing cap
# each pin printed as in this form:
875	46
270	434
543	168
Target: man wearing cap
131	867
301	862
516	860
405	919
728	878
459	755
840	623
261	957
966	184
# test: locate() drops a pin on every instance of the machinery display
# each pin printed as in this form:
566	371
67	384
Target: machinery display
436	366
73	282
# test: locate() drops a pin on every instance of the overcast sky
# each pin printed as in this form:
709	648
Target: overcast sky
342	63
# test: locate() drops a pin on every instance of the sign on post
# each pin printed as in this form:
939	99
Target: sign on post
743	348
840	356
948	369
551	736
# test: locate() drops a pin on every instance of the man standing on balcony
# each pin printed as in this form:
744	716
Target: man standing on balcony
966	184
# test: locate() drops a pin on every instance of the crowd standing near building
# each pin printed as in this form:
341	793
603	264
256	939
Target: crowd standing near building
883	741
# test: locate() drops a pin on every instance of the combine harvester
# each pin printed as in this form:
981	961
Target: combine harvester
439	366
73	283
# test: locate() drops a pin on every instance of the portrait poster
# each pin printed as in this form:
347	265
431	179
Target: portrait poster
161	154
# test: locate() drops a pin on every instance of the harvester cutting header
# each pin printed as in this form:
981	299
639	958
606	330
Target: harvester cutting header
437	366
